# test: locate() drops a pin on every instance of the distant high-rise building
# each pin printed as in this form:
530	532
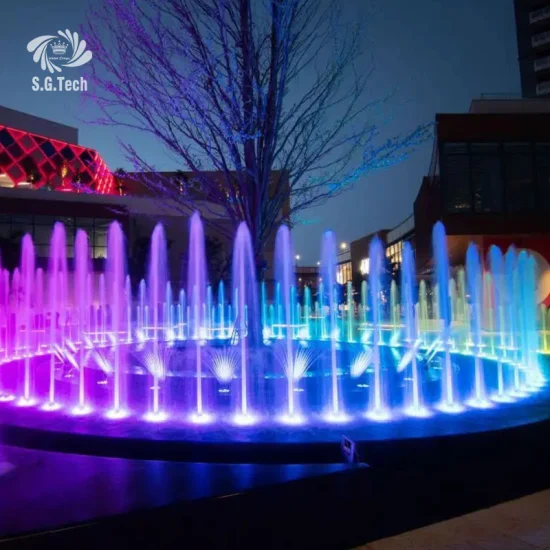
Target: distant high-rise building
533	35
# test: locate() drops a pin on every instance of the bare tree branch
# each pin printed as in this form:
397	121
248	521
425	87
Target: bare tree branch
265	102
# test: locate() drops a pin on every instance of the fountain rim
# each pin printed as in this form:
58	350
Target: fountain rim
236	450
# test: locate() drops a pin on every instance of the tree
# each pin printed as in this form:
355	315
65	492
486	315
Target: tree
217	259
269	95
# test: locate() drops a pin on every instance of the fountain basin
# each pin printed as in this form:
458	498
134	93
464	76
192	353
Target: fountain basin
266	433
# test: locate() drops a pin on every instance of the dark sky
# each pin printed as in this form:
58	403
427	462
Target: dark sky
436	54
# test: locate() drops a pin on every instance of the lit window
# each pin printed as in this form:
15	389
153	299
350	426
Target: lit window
364	266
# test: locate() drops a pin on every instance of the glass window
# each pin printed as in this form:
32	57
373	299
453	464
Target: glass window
22	219
42	250
100	237
520	195
44	220
22	228
5	230
486	177
42	234
456	177
542	152
84	222
99	252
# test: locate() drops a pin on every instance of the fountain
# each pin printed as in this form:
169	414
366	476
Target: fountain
497	268
82	303
246	314
444	314
241	354
196	290
473	270
116	274
376	262
328	269
28	277
156	284
285	279
412	341
57	276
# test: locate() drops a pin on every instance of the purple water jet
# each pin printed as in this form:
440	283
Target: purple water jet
196	290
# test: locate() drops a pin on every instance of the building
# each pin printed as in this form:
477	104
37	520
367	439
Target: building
396	239
47	176
359	252
489	181
393	240
343	265
307	275
52	161
533	38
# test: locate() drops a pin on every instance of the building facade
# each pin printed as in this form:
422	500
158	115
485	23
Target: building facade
396	239
46	176
359	252
489	182
533	39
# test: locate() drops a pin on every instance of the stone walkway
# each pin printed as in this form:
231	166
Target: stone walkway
522	524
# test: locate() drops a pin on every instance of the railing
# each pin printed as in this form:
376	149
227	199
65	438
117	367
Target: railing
543	88
402	229
539	15
542	63
540	39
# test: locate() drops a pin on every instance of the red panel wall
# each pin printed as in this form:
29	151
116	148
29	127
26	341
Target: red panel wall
26	157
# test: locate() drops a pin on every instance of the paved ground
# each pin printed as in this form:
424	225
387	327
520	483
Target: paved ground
522	524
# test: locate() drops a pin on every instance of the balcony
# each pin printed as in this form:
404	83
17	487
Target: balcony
543	88
540	39
539	15
542	63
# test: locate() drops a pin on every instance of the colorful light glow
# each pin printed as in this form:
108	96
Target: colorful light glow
451	408
292	420
117	414
81	411
31	154
245	419
156	417
6	398
51	406
202	418
379	415
336	418
418	412
476	403
87	352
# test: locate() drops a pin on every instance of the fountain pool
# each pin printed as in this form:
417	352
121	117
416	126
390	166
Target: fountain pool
89	364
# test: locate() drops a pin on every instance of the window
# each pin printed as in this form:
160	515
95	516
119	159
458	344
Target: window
364	266
40	228
456	175
542	152
486	177
343	273
518	162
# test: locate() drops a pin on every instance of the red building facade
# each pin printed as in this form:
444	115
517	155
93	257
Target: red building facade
28	159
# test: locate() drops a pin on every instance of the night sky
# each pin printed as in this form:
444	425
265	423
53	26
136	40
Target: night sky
436	54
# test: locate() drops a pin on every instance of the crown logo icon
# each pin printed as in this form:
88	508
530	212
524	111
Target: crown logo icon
59	48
